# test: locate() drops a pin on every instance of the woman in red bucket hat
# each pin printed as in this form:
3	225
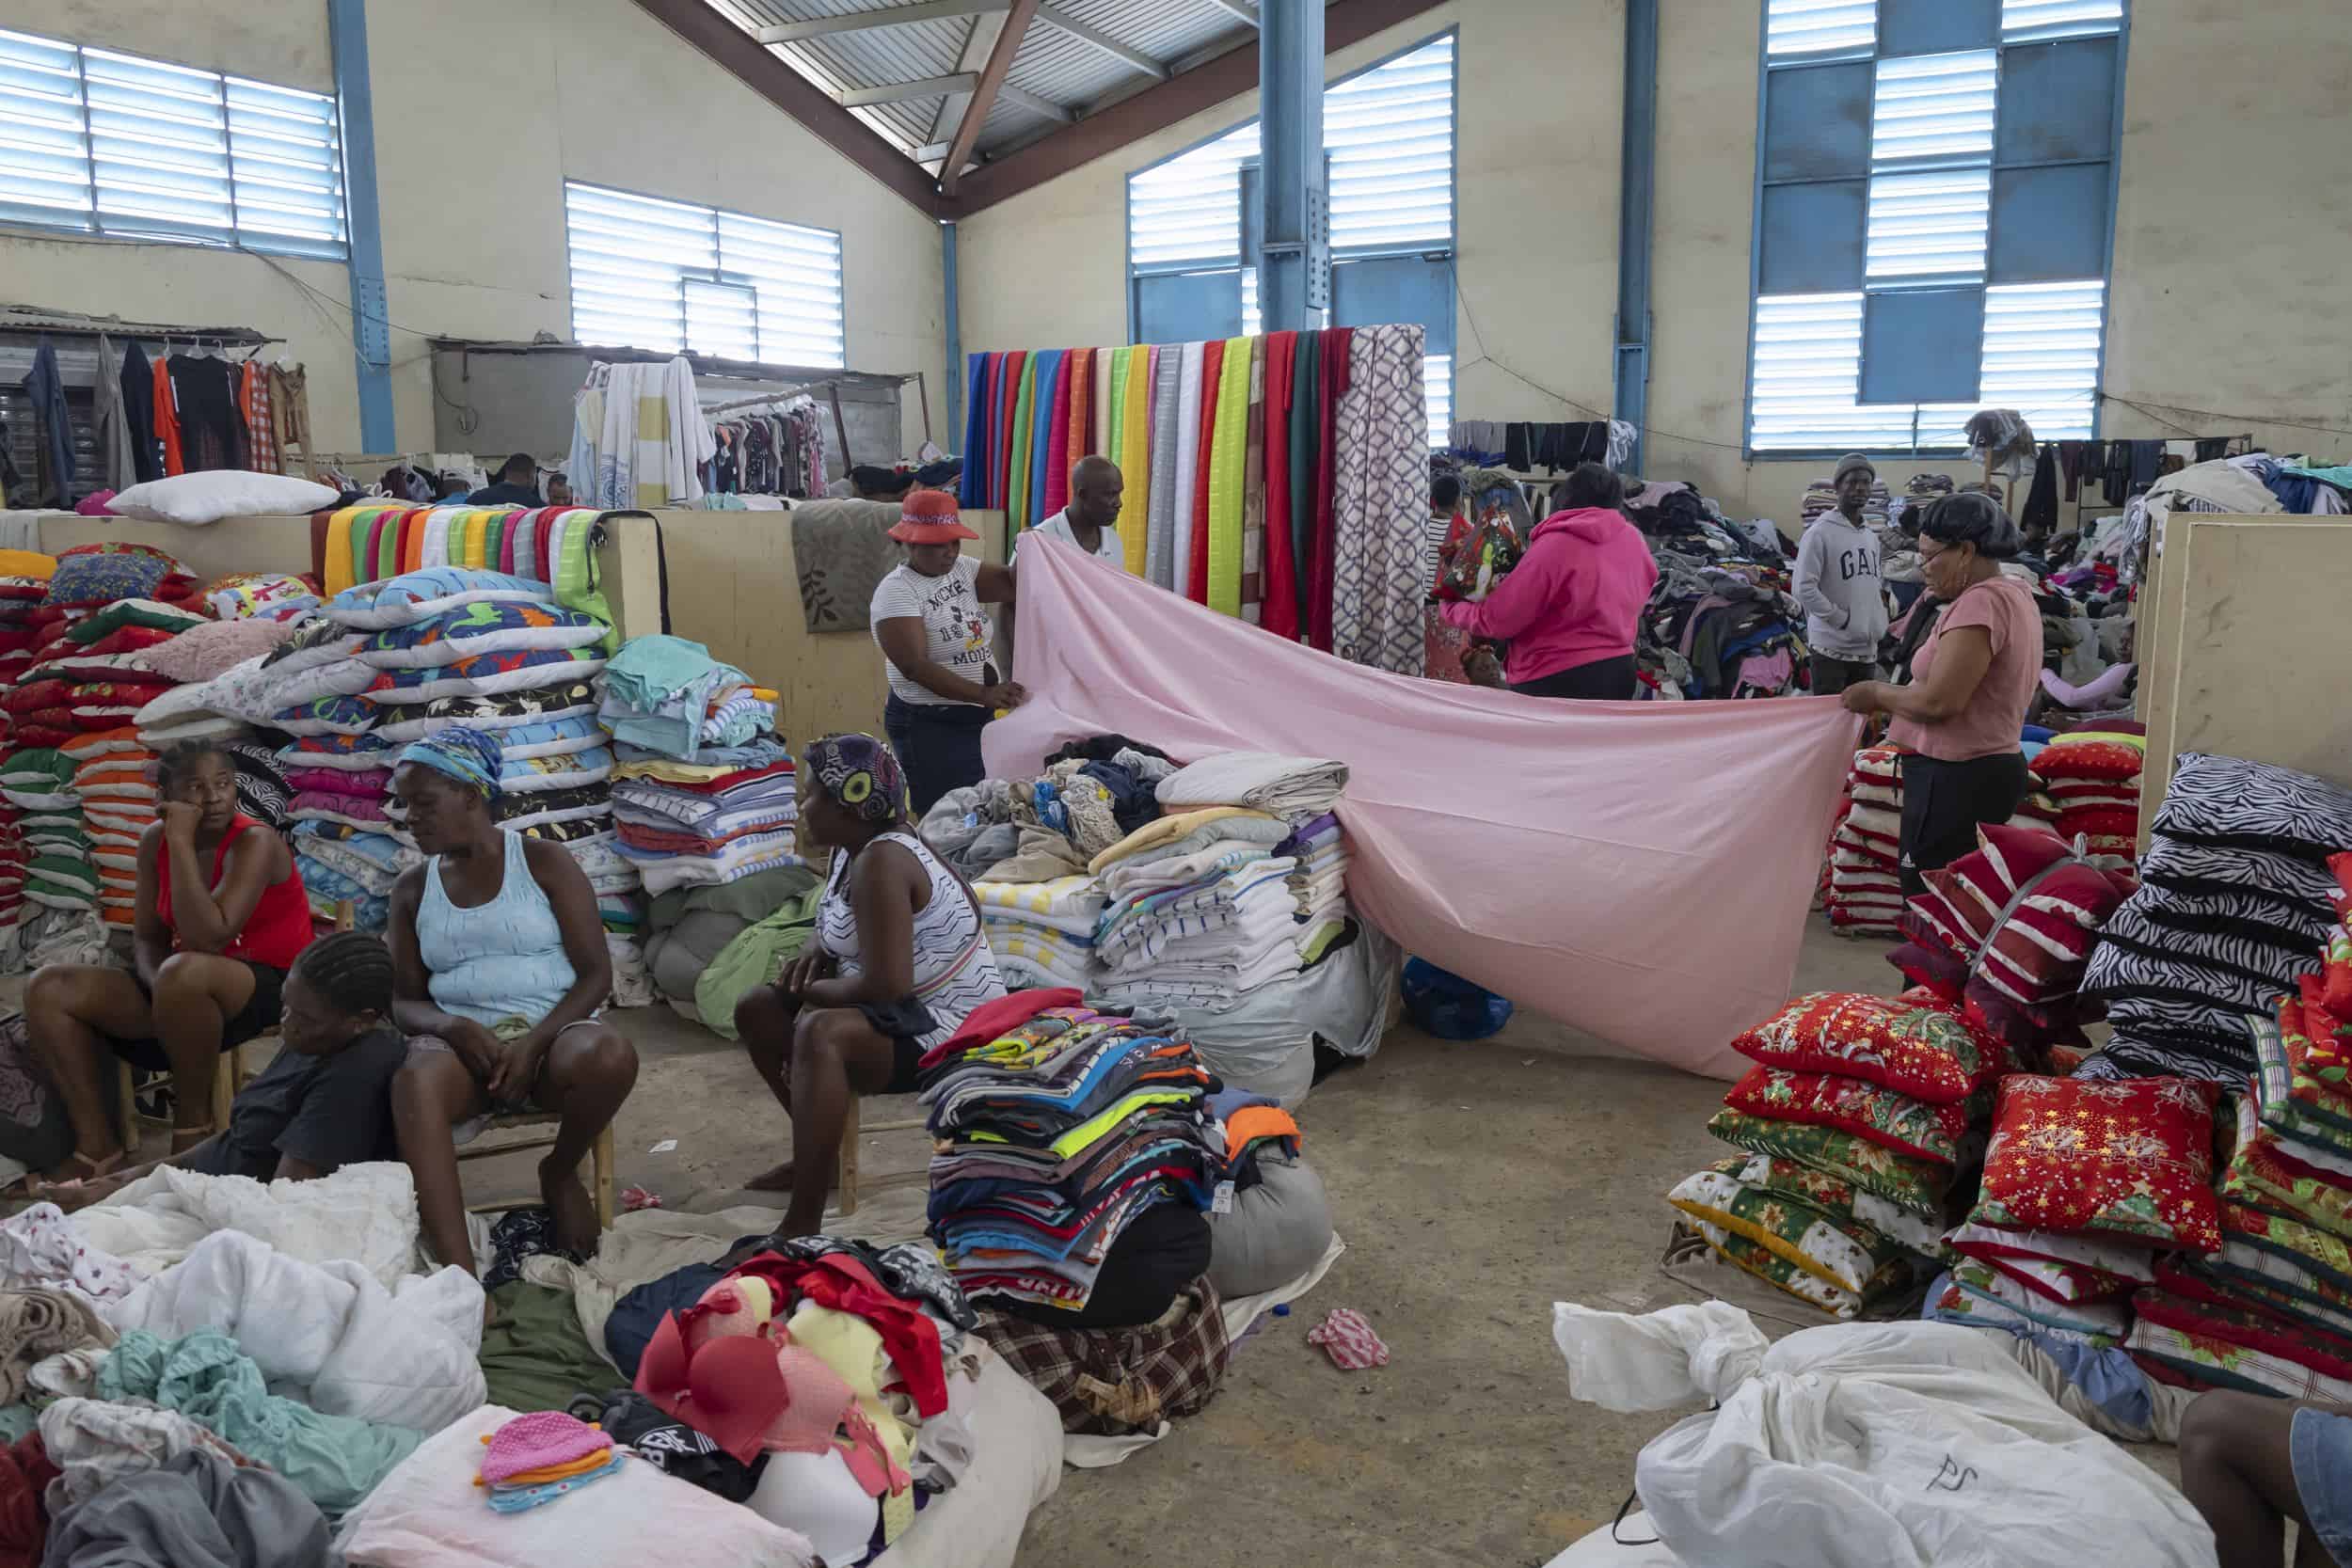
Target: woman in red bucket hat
935	640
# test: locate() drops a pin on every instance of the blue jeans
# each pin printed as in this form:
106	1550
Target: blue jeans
939	746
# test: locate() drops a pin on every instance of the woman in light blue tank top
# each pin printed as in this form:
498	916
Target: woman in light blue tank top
500	977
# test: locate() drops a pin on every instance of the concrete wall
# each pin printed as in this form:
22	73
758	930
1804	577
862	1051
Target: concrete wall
2212	305
483	109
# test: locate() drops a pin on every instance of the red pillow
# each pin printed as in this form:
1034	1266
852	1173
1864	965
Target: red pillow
2100	821
130	639
1882	1116
2130	1159
35	695
2122	792
2065	758
1913	1044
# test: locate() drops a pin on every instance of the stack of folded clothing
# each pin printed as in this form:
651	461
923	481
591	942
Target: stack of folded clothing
1318	878
2235	894
703	788
1202	927
1297	789
2088	787
2085	1185
1865	892
1821	495
1060	1128
2006	931
1043	933
1861	1119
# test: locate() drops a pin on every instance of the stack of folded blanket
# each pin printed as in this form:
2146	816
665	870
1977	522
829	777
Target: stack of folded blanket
1058	1128
1043	933
1865	885
2236	893
1202	914
722	815
1860	1120
1318	878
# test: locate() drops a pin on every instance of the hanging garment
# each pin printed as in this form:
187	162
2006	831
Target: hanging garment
212	427
1167	396
261	424
1280	611
166	415
137	379
1191	383
1253	495
2041	509
1058	456
1659	813
1306	438
1135	457
1338	350
1228	469
110	422
1393	423
53	452
1196	563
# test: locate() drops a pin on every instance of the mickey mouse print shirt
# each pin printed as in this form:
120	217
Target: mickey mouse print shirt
955	627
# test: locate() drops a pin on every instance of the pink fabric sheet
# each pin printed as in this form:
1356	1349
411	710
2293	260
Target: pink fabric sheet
1641	871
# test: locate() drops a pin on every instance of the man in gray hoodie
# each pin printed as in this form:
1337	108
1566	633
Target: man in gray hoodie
1838	584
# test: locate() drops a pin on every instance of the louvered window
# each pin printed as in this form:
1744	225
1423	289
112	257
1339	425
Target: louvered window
1936	182
668	275
108	143
1387	134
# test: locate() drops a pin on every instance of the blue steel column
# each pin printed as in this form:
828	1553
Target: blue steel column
1295	265
370	328
1638	156
956	368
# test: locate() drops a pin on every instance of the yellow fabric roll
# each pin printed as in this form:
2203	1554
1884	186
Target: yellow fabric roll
1228	460
337	566
477	538
27	563
1135	462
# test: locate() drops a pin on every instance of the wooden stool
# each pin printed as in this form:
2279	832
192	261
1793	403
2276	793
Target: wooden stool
600	1157
846	1171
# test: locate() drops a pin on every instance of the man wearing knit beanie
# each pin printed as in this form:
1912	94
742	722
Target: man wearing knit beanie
1837	581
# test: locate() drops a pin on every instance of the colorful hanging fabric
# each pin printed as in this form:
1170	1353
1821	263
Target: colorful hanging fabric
972	489
1049	387
1204	478
1017	458
1075	440
1058	453
1189	387
1136	459
1279	613
1253	495
1115	385
1394	428
1333	367
1306	438
1000	447
1229	467
1099	436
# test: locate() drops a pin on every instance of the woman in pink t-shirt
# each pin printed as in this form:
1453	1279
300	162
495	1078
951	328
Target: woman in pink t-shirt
1961	720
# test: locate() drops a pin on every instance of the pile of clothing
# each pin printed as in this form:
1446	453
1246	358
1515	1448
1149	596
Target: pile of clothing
2086	1185
2006	931
1863	886
1076	1159
2087	787
1862	1122
543	1458
1820	496
705	793
1721	621
2236	892
1902	516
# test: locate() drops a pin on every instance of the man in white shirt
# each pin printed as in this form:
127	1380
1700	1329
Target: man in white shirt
1096	489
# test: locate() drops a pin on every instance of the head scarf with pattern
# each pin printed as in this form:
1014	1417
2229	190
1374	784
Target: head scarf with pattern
860	773
469	756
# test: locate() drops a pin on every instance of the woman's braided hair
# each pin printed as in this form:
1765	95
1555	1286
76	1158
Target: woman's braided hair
353	968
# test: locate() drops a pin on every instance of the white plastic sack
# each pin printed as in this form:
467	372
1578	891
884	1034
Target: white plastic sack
1600	1548
1898	1445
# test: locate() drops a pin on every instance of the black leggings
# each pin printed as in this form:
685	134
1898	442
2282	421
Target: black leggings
1944	801
1604	680
939	746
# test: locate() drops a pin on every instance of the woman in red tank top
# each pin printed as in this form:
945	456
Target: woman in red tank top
221	916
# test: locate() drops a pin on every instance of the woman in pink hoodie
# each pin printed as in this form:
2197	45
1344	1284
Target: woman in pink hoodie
1570	606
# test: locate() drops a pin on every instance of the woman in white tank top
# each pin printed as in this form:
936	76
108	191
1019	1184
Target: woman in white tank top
897	963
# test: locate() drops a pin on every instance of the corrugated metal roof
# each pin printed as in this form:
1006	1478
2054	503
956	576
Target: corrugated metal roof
1053	65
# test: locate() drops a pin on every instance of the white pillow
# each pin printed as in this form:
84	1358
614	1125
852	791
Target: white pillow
216	493
202	726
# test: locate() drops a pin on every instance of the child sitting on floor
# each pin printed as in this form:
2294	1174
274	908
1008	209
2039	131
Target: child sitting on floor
324	1101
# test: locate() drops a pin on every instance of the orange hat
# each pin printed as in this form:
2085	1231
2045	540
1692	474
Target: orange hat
929	518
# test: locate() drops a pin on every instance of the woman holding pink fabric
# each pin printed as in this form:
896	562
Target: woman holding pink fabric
1569	610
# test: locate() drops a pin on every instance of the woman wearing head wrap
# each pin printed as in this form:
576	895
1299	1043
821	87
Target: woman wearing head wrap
934	640
1962	718
500	974
898	960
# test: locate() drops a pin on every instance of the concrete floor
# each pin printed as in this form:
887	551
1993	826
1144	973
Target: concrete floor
1474	1185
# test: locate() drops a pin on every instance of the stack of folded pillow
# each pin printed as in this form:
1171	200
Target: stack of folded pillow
26	625
2236	895
1860	1121
1060	1129
2088	787
1864	896
51	838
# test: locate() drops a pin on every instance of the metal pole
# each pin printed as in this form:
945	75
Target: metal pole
1294	260
955	340
1639	157
370	326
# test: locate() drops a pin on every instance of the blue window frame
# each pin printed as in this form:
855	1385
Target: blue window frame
1388	133
1934	214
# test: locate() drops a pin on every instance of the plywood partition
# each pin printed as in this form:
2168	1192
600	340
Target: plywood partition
2242	647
